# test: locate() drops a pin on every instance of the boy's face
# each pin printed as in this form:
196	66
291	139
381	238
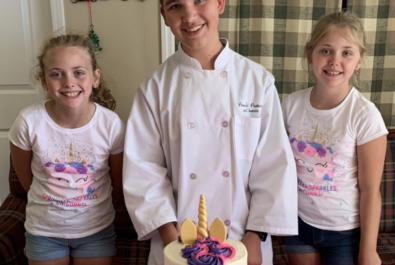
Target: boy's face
194	22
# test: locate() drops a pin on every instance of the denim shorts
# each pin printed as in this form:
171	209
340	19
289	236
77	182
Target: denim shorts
101	244
335	247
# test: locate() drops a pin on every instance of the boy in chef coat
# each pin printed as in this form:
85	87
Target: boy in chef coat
208	121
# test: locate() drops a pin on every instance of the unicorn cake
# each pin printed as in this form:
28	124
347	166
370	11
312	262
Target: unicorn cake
198	246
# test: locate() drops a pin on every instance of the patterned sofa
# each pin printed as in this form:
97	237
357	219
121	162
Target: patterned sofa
131	251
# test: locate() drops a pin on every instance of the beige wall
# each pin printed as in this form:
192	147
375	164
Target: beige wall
129	33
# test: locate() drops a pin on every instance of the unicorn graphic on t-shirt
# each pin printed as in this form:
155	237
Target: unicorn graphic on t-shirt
77	178
313	157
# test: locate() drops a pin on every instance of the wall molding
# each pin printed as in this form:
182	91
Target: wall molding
58	20
167	40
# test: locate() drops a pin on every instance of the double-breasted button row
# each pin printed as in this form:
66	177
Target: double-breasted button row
225	174
191	125
188	75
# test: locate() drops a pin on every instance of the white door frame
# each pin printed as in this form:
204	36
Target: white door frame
167	40
58	21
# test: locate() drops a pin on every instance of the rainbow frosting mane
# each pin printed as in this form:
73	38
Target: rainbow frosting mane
208	251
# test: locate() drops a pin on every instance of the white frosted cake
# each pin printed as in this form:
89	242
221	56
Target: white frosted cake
173	254
198	245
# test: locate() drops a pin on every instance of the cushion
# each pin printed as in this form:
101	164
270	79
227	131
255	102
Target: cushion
386	248
129	249
12	231
387	188
15	186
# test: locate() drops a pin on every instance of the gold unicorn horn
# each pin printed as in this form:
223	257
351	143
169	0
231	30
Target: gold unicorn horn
314	134
71	157
202	225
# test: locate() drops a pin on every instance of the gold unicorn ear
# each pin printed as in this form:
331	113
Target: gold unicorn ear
218	230
188	232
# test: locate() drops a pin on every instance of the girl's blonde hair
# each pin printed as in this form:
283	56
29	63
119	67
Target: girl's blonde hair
350	26
101	94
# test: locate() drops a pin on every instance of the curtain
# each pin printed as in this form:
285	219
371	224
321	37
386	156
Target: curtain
377	80
273	33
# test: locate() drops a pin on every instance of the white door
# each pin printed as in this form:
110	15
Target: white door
23	26
129	35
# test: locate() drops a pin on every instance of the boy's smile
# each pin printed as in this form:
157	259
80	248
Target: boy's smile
195	28
194	23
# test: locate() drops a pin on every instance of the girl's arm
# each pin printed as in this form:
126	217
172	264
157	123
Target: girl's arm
22	161
116	164
370	169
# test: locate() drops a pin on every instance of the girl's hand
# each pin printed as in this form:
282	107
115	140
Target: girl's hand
369	258
252	242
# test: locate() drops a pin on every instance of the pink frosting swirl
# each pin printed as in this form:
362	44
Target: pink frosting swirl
209	251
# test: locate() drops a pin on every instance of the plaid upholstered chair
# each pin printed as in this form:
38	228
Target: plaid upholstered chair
130	251
12	218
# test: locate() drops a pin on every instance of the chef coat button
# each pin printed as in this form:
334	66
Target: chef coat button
191	125
224	124
225	174
227	222
187	75
224	74
192	176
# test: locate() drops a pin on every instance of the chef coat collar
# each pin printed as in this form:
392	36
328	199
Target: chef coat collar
219	64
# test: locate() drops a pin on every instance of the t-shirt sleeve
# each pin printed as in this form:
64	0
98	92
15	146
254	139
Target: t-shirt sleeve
370	125
118	136
19	134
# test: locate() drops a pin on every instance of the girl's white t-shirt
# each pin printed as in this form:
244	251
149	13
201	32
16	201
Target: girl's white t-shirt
324	143
70	196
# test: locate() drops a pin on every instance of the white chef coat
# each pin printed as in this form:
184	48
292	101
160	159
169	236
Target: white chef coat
214	132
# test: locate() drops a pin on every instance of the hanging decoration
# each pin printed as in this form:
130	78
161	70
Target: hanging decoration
92	34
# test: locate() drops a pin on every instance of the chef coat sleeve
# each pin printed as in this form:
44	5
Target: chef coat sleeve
147	189
273	180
